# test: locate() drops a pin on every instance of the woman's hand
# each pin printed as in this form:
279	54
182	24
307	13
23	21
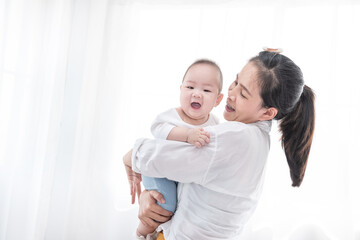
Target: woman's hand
150	213
134	178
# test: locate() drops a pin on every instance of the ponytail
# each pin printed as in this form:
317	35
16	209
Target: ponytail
297	129
282	87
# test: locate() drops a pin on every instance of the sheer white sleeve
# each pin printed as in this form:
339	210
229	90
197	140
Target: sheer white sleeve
232	163
174	160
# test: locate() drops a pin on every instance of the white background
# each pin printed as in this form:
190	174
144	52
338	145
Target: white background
81	80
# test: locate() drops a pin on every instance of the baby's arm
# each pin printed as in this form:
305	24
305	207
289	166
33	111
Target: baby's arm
195	136
165	127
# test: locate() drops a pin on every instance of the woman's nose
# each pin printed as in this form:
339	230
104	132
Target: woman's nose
231	97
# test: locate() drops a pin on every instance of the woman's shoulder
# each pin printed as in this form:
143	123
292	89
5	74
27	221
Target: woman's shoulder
237	132
236	127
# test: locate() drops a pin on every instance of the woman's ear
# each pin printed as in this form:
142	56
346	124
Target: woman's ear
268	114
218	99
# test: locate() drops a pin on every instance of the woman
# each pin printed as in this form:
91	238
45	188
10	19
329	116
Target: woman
220	183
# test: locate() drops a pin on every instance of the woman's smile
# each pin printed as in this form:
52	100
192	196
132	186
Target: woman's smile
228	108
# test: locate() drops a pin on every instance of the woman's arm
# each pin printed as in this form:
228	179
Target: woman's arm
134	178
236	151
150	213
174	160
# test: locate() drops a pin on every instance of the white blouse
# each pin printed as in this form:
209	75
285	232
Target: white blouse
220	183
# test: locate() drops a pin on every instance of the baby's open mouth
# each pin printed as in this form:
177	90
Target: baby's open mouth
195	105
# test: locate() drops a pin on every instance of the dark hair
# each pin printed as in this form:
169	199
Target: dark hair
282	87
211	63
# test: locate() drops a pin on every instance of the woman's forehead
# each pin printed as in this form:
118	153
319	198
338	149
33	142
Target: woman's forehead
248	76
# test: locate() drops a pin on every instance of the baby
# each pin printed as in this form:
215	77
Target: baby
200	92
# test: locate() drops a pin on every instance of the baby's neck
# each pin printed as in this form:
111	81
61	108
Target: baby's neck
190	120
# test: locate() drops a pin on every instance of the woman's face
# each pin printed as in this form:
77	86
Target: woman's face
244	103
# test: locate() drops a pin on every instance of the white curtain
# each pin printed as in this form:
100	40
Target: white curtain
80	80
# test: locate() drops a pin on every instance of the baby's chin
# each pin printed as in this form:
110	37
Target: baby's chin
196	117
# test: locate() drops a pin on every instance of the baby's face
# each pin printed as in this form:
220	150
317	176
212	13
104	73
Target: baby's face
200	91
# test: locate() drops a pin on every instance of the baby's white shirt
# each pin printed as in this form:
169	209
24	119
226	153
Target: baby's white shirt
169	119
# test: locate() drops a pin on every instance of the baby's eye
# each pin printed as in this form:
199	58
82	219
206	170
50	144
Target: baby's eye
190	87
207	90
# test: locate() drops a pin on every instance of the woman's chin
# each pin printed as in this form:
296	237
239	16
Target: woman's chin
228	116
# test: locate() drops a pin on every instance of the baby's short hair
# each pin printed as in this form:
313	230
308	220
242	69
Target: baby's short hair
211	63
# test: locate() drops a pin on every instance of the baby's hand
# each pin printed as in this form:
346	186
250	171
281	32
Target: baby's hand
198	137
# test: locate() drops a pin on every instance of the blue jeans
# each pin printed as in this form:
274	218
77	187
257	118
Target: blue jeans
164	186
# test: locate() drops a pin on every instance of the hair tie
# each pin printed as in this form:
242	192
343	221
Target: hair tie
275	50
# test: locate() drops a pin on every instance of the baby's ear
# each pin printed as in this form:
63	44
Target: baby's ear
218	99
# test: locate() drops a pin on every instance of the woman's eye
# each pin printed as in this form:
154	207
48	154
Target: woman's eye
242	95
235	82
